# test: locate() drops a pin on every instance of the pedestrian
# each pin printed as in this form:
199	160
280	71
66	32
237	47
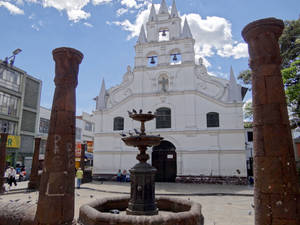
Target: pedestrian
22	174
11	176
127	178
79	176
124	175
119	175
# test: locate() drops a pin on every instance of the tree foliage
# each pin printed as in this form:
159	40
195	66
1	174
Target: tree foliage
291	80
290	42
245	77
248	111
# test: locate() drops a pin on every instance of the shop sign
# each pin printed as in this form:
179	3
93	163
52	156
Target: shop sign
13	141
90	146
78	150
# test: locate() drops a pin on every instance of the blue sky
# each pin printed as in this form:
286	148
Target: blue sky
105	31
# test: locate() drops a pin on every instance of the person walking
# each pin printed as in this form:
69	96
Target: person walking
79	176
11	176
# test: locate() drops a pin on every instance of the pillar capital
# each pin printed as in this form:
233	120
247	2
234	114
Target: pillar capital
262	38
67	62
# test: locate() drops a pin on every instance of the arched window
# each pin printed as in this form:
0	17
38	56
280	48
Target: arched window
175	56
163	118
212	119
118	123
175	59
152	59
164	34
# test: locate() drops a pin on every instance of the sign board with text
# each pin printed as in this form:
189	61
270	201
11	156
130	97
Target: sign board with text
13	141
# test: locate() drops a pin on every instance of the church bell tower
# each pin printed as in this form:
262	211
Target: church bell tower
164	42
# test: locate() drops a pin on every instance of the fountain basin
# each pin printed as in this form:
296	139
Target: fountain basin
142	140
142	117
175	212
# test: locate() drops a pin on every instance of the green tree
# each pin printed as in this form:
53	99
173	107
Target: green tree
248	111
291	80
289	42
246	78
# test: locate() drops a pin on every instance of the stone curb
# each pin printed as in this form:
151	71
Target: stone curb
166	194
25	190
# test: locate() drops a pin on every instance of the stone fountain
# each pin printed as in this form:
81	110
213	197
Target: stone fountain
142	195
142	208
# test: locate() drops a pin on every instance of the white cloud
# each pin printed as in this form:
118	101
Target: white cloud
134	28
134	3
237	51
11	8
72	7
35	27
121	11
129	3
88	24
77	14
213	36
99	2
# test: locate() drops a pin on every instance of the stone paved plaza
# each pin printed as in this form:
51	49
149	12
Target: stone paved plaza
221	204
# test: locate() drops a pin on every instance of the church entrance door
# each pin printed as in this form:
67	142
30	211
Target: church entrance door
165	161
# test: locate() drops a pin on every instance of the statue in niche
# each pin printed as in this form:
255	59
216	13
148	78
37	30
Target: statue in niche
128	75
200	70
163	84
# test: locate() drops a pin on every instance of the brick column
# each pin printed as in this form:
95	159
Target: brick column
56	192
34	174
2	161
276	189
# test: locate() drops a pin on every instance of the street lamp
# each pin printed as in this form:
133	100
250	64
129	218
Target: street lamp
12	58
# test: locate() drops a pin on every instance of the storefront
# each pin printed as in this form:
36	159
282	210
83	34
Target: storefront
12	146
88	154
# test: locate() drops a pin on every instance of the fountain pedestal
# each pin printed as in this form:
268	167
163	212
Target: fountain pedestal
142	197
142	193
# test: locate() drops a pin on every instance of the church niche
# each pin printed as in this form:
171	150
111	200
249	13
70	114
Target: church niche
163	83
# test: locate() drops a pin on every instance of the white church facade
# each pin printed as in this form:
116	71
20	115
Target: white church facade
199	116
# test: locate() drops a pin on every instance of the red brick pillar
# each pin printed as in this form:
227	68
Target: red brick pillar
34	174
56	192
276	189
2	160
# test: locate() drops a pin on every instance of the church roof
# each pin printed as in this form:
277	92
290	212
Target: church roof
234	91
142	37
186	31
163	9
174	11
100	99
152	16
